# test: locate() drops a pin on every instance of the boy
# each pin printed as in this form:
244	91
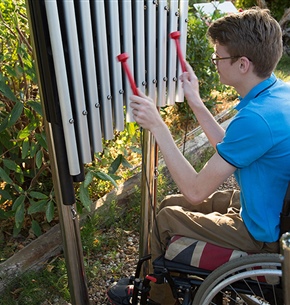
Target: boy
255	147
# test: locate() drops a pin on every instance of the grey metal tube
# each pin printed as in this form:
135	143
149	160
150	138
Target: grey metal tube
285	248
63	87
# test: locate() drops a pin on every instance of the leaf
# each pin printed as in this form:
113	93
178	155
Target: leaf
5	89
38	206
38	159
85	198
4	124
18	188
33	149
125	163
5	139
115	177
24	133
19	215
88	179
15	114
19	201
3	214
131	127
115	164
36	228
25	148
10	71
12	165
41	138
105	177
5	195
49	213
16	230
36	106
37	195
5	177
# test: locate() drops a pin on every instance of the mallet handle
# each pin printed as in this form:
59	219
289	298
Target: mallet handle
175	36
123	59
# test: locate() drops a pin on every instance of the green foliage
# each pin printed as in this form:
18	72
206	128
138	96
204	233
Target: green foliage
25	187
35	287
198	54
102	174
244	4
283	68
277	7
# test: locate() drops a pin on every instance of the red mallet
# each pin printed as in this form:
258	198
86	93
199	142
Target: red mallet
123	59
175	36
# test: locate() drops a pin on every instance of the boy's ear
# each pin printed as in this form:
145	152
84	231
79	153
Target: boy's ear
244	64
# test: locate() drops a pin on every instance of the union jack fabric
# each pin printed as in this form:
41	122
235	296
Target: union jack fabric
198	253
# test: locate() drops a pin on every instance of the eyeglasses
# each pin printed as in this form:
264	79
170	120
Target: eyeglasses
215	58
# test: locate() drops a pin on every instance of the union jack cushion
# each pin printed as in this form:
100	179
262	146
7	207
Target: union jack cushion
198	253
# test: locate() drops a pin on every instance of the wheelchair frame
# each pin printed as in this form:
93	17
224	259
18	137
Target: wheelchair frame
239	281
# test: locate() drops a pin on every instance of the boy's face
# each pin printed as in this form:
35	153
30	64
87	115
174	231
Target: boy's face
227	70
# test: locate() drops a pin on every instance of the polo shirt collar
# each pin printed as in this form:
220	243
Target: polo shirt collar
254	92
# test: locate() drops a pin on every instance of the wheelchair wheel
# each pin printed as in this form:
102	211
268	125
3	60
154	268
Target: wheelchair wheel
254	279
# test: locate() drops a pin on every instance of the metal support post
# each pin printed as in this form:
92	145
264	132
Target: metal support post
72	246
148	196
285	248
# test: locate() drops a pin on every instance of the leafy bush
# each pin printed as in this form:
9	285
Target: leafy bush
277	7
24	158
198	54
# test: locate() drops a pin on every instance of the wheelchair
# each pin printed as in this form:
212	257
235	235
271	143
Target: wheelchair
243	279
200	273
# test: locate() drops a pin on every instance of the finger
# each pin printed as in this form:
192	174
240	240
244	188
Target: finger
184	76
188	67
140	93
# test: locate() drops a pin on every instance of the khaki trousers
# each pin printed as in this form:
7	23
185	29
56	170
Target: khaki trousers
215	220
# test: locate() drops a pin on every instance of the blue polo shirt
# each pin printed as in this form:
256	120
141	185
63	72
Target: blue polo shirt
257	143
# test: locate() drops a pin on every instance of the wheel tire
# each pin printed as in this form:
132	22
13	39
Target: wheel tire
237	270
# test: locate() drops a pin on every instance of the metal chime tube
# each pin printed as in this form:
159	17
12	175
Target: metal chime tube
183	15
162	54
116	83
138	20
128	48
91	81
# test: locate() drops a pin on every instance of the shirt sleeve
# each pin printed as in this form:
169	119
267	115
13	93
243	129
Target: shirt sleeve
246	139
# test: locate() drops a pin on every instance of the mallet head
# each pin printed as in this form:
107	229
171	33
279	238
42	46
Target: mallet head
123	57
175	35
